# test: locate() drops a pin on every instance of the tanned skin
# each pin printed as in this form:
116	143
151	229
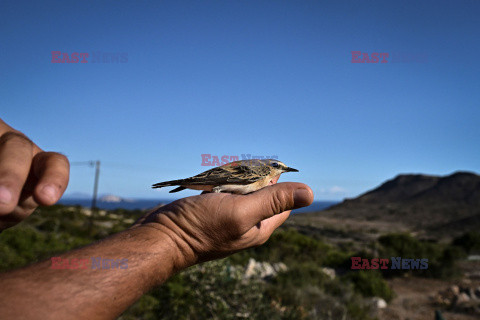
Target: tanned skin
185	232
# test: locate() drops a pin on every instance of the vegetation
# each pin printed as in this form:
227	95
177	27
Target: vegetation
441	257
220	290
370	283
470	242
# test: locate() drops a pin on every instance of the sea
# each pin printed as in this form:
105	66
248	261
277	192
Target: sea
142	204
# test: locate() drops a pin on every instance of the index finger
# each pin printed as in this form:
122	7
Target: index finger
5	128
15	160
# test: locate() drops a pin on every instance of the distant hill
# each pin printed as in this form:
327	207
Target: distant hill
423	202
113	198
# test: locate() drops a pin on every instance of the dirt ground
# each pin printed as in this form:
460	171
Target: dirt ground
414	300
414	296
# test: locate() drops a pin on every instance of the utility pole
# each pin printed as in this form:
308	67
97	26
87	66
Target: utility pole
93	210
93	214
95	186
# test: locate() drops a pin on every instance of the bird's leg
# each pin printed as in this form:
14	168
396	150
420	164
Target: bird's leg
217	189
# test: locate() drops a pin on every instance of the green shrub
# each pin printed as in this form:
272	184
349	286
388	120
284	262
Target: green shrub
24	245
369	283
441	258
306	290
288	246
215	290
469	241
338	259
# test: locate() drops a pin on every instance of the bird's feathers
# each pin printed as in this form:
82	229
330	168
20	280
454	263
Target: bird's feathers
241	177
176	189
233	173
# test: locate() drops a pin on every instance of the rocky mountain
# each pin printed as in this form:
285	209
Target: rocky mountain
431	203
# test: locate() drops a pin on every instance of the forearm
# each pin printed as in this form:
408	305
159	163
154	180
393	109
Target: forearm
42	292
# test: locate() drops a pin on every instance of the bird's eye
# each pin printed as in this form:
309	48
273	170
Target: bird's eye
275	165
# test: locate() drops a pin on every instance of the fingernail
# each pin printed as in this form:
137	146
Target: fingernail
301	198
50	192
5	195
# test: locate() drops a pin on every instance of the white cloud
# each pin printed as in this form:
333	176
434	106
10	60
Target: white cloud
336	190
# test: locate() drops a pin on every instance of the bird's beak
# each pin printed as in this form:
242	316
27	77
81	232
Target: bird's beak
288	169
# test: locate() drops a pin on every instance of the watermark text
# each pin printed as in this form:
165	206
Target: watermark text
215	161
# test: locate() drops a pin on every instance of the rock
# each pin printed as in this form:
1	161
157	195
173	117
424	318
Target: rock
445	297
329	272
86	212
102	213
280	267
455	290
379	303
267	271
250	269
461	298
104	224
471	293
263	270
114	216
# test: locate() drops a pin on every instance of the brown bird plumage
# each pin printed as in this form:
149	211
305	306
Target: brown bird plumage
240	177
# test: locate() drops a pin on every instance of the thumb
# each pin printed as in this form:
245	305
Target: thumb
274	199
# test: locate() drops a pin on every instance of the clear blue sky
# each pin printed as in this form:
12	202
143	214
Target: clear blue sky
238	77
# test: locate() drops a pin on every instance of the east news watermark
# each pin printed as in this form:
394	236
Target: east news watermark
92	57
216	160
394	263
94	263
388	57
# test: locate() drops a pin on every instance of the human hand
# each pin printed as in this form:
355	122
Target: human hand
214	225
29	176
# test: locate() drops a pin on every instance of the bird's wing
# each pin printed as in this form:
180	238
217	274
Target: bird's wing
231	174
228	174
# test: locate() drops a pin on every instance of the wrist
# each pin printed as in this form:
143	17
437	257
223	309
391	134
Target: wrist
165	247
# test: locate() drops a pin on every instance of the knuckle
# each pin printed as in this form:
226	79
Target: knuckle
55	157
15	137
52	165
279	202
11	179
178	207
63	165
59	157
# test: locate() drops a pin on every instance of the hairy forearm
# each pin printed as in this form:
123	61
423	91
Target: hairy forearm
48	291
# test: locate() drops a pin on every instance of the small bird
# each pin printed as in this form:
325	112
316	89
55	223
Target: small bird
239	177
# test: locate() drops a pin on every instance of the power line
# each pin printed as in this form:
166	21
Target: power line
91	163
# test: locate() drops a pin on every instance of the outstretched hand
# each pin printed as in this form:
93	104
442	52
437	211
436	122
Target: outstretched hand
29	176
214	225
174	237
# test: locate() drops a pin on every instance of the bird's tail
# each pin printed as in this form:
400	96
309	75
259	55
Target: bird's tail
167	184
177	189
